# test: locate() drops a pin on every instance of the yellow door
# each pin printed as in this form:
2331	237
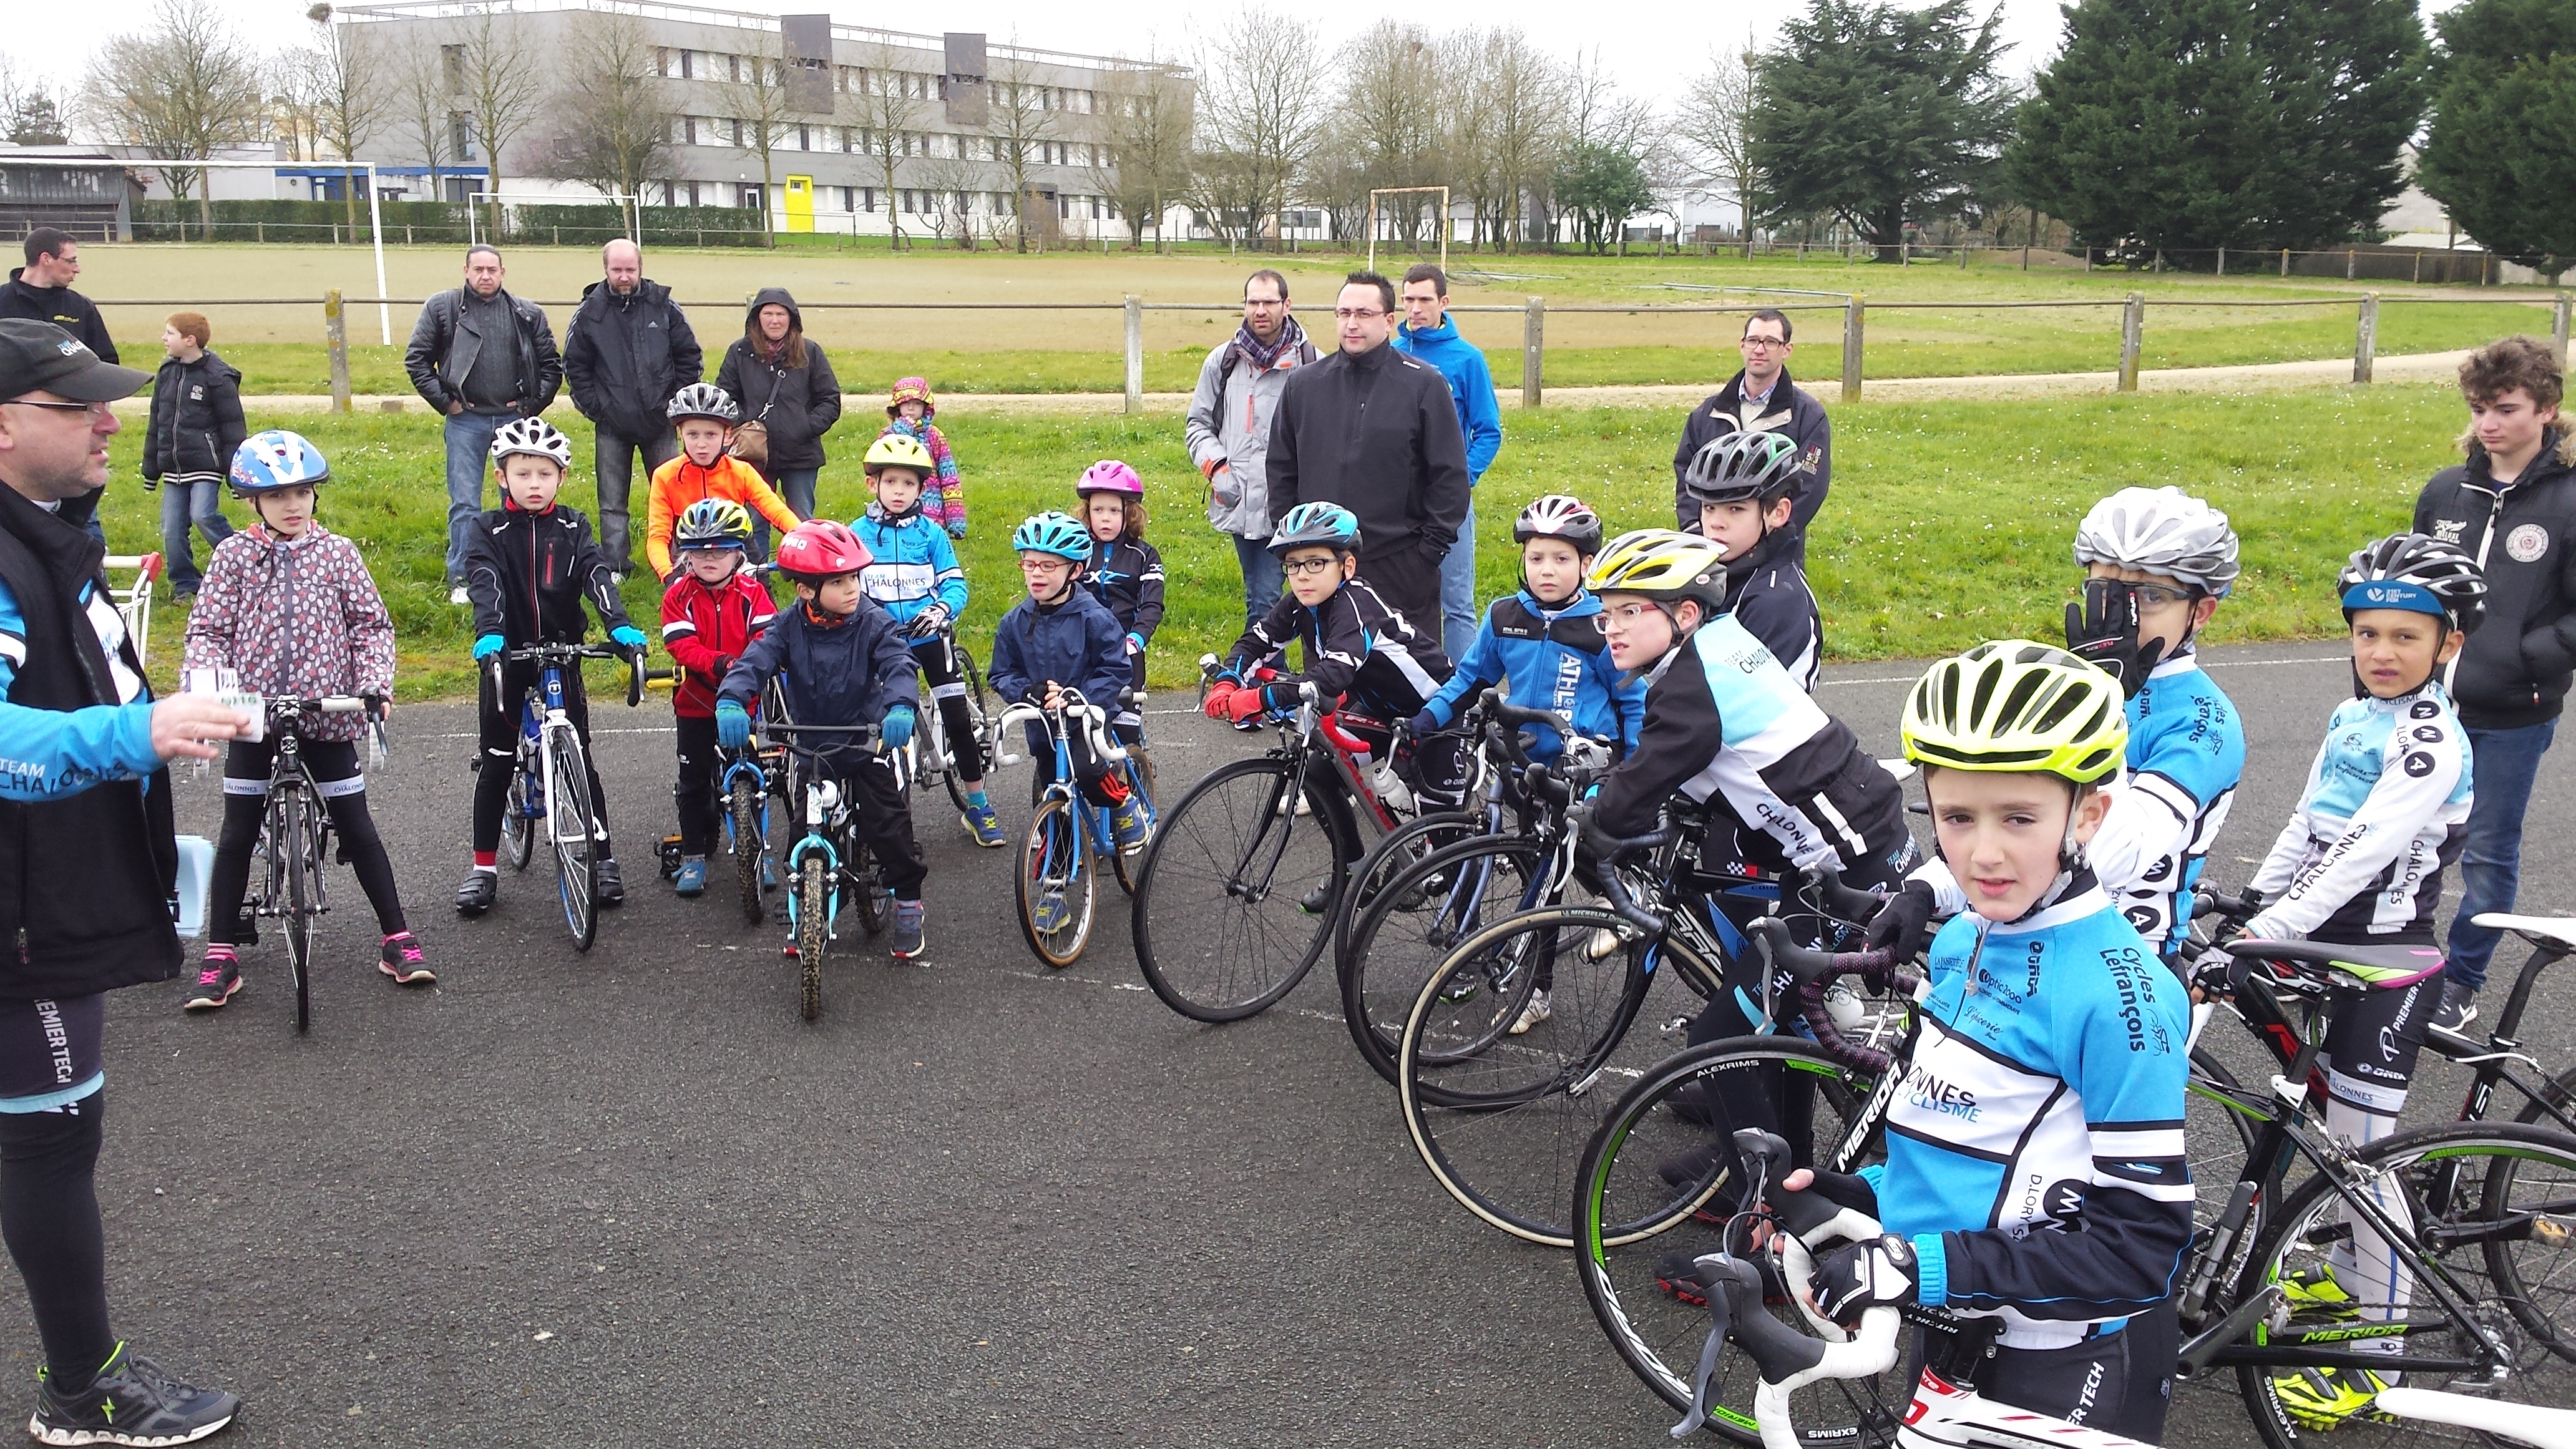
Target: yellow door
800	203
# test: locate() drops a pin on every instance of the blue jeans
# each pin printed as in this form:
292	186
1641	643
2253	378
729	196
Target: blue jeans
2502	766
796	485
183	505
1263	580
1458	590
469	462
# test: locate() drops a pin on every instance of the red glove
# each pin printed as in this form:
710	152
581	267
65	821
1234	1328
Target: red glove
1243	704
1218	696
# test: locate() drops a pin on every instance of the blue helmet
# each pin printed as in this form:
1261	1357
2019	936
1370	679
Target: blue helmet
1311	524
266	462
1052	532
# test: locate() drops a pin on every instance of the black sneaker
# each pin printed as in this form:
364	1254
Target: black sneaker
217	980
1314	901
481	888
131	1402
2459	1007
612	884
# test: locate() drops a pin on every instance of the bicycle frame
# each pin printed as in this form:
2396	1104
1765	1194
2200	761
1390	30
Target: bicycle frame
826	815
1098	833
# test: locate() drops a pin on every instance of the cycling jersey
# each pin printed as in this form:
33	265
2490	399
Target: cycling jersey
915	565
2385	809
1555	659
2035	1146
1725	722
1354	645
1766	591
1127	576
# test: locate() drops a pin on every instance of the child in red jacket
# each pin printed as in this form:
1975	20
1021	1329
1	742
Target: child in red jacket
711	613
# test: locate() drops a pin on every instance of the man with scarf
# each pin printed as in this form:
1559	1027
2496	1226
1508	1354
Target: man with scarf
1229	429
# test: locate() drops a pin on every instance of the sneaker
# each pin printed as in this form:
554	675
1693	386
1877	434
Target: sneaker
2459	1007
130	1402
768	873
984	826
1051	914
481	888
1678	1275
2325	1399
217	980
1532	1014
611	883
1127	822
904	936
457	595
1315	901
2315	1292
691	878
401	959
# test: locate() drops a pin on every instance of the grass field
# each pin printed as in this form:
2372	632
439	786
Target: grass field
1948	522
1031	348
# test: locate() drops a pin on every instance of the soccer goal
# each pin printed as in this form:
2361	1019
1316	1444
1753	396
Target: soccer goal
1444	228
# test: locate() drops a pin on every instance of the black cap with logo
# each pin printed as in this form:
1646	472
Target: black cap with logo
41	357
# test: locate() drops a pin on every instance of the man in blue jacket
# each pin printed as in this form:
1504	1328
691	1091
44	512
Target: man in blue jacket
1428	334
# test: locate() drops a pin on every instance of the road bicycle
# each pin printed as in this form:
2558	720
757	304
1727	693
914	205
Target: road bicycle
934	753
550	778
829	855
1057	883
295	834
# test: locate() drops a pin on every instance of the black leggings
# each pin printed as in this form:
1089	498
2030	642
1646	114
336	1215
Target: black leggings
334	764
500	747
877	813
48	1180
2121	1384
946	681
700	790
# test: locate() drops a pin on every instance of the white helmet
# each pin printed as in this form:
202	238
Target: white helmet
533	436
2161	531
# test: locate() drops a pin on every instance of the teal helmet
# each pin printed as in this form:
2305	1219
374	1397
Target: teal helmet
1309	525
1053	532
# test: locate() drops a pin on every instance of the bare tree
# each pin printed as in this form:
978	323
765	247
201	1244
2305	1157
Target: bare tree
886	102
757	93
502	92
422	96
1715	121
612	132
1149	143
31	110
1466	112
1020	125
949	183
1528	94
1389	116
1260	117
295	103
182	88
348	96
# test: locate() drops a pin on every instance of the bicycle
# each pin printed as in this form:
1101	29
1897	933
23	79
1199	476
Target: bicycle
743	789
829	855
1066	832
550	779
295	835
935	752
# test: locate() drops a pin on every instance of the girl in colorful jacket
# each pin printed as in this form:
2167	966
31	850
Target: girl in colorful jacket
909	410
289	607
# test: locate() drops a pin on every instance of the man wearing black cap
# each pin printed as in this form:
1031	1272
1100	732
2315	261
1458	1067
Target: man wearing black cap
87	865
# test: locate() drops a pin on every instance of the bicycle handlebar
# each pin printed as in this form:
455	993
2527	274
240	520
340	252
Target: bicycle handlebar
1612	850
326	704
1812	970
573	654
1095	723
1842	902
2234	909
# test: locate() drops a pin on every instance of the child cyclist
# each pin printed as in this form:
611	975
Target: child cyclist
529	565
2157	562
913	576
710	615
704	414
909	410
2045	1010
1746	485
2360	864
1125	571
1062	637
844	663
288	607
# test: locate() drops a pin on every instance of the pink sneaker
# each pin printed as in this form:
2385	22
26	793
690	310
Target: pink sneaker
402	960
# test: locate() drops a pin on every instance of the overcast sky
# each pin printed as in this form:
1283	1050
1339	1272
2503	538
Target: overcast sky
1655	52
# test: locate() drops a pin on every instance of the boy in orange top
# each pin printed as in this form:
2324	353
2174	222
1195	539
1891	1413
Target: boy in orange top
705	414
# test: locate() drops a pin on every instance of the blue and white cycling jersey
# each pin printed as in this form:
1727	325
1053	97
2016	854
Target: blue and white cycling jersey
2385	809
915	566
2035	1146
49	753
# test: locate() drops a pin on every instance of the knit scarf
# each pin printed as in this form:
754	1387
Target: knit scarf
1291	336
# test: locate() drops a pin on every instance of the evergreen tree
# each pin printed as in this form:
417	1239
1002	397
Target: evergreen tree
2499	155
1601	185
1878	115
2205	123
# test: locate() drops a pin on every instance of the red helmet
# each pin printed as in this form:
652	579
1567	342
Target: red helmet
821	549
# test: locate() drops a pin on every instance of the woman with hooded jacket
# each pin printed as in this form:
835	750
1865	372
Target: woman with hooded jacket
783	382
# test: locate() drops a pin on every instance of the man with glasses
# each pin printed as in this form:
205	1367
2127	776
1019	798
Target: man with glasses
85	795
1761	397
1228	431
1376	432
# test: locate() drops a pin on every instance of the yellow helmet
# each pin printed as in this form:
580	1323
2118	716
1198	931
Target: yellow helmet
2013	705
1661	564
899	450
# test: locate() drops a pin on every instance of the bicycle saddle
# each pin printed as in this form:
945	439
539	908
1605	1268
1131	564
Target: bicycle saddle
2549	932
2365	968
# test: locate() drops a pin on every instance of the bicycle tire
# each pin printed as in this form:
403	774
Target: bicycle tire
859	870
1647	1185
2471	1233
1217	932
1423	912
813	931
518	817
1054	862
575	840
750	847
979	709
1140	778
1394	853
1500	1120
2555	1106
292	824
2522	1298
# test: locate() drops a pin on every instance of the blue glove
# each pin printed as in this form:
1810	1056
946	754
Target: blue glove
487	646
627	636
1135	645
733	725
896	729
1421	724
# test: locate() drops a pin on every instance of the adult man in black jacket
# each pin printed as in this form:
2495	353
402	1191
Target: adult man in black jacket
41	291
1376	432
2511	506
87	864
626	350
481	357
1760	396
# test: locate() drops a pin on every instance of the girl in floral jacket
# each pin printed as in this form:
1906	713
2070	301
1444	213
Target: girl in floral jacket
289	607
909	410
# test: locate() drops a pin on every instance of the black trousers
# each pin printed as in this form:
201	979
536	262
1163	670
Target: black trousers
500	746
700	789
48	1179
877	813
2121	1384
1408	578
334	764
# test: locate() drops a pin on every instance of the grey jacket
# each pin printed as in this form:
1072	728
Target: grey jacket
442	351
1238	496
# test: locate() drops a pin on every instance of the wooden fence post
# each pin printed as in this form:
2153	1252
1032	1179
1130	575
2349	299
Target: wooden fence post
335	328
2365	337
2351	262
2558	323
2133	329
2285	261
1855	321
1135	353
2088	259
1533	351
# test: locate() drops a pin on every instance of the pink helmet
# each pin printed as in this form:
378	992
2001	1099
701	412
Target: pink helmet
1110	476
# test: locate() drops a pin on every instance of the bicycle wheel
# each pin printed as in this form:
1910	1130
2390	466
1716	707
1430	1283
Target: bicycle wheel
1395	852
813	929
1222	921
2515	1197
1055	885
1654	1188
750	846
859	873
572	825
1419	915
1140	778
519	817
291	826
1501	1120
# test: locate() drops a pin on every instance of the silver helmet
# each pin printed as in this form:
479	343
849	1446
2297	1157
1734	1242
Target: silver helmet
2161	531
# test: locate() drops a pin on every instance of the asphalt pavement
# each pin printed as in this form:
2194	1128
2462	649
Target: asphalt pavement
629	1198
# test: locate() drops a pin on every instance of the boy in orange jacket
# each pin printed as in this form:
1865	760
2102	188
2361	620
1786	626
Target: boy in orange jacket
705	415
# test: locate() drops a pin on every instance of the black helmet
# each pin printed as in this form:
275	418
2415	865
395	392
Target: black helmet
2418	573
1742	466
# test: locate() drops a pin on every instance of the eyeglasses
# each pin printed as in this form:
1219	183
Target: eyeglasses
1358	314
2157	596
1626	614
1303	566
94	409
1764	342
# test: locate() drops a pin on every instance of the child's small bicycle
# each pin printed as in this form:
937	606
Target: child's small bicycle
1056	883
751	775
829	855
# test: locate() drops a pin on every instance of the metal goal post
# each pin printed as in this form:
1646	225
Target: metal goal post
1445	227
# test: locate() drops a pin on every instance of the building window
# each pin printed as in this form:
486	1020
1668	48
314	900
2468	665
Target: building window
460	135
747	196
804	139
868	199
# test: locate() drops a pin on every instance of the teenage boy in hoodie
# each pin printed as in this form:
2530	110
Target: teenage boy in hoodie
1428	334
196	426
2509	507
